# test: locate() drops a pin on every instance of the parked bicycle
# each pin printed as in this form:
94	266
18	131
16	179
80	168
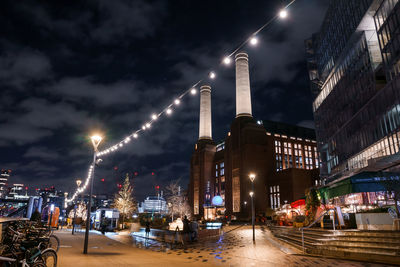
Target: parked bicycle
27	245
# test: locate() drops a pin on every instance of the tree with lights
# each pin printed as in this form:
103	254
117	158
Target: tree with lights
177	204
81	212
124	201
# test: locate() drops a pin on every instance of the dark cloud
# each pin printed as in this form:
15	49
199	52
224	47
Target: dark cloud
42	153
68	69
19	68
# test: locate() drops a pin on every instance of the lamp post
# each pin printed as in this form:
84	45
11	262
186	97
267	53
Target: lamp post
96	139
65	209
78	183
51	214
252	176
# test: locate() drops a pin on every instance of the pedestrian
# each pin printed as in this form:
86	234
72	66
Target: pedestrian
103	225
195	230
147	228
186	228
36	216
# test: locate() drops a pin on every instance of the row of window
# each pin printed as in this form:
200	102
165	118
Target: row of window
387	19
372	123
274	197
293	155
220	179
343	68
340	22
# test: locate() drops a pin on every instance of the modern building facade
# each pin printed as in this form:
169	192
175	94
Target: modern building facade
353	64
4	175
283	158
154	204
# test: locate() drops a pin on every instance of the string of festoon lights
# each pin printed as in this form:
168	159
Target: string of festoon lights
168	110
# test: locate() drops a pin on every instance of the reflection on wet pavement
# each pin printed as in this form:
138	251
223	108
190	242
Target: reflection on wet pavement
234	248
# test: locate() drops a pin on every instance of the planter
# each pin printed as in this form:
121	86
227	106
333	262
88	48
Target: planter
374	221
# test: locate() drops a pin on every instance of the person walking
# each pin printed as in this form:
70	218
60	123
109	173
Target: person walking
147	228
36	216
186	228
195	230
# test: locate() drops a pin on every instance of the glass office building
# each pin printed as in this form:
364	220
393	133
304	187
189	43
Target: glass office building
354	69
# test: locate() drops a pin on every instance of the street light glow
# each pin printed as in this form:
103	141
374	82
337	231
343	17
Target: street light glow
253	41
212	75
177	101
96	139
193	91
169	111
252	176
283	14
251	193
227	60
154	116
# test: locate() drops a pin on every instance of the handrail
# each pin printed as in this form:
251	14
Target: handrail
318	219
314	222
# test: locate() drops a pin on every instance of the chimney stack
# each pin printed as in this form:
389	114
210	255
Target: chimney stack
243	96
205	113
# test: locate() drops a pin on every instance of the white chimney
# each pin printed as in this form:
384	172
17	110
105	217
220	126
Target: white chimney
243	96
205	113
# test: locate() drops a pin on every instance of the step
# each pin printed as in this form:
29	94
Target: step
358	256
363	245
365	233
359	249
307	241
393	241
295	242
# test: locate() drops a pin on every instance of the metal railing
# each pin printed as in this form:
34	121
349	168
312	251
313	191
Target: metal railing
313	223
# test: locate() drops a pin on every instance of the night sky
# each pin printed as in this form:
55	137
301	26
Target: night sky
71	68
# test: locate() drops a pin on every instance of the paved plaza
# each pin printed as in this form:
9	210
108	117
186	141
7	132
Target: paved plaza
234	248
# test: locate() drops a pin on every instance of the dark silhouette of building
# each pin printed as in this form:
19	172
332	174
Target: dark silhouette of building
283	158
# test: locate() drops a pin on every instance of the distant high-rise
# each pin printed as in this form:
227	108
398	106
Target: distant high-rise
354	68
4	175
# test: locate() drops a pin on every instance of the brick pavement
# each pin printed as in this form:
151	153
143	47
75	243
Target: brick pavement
234	249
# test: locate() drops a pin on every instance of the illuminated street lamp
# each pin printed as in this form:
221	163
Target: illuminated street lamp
96	139
252	177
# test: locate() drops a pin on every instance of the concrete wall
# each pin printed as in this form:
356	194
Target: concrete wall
374	221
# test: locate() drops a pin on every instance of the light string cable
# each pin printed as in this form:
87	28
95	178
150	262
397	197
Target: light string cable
252	40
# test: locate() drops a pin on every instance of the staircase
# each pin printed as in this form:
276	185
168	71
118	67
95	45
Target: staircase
372	246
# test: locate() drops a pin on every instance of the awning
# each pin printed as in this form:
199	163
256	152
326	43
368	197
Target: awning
358	183
298	203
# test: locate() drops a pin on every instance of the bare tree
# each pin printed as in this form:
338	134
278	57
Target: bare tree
124	201
177	204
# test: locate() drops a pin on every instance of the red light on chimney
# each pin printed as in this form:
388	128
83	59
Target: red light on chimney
152	173
26	188
157	187
102	180
115	168
136	173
